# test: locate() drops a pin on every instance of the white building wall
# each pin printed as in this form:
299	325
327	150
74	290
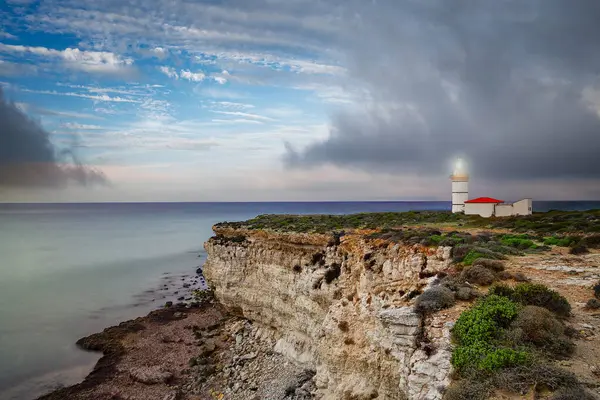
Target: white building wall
460	194
504	210
483	209
523	207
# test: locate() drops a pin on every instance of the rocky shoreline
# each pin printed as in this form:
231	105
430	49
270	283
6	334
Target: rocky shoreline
188	351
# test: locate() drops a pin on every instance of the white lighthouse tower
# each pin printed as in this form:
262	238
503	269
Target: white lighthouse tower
460	187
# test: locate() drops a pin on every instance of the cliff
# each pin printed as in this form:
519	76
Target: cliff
340	306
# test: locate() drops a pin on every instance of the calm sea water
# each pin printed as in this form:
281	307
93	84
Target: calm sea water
68	270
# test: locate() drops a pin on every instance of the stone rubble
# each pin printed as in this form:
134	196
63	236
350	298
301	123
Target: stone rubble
237	362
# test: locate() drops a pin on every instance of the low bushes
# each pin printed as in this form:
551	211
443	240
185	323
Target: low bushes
535	295
591	241
478	331
434	299
504	342
494	265
593	304
468	390
562	241
478	275
578	250
539	327
522	242
573	393
520	379
597	290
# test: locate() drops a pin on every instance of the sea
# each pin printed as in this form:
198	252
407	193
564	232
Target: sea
69	270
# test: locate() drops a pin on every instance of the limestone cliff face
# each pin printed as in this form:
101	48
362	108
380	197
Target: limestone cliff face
342	307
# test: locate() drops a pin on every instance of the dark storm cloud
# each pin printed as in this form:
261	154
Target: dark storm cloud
29	159
513	86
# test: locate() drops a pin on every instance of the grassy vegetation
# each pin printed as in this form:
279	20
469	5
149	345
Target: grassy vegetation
508	340
549	224
535	295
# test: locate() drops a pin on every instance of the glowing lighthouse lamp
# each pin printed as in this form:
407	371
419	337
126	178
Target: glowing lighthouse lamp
460	186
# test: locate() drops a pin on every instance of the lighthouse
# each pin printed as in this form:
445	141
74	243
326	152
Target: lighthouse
460	186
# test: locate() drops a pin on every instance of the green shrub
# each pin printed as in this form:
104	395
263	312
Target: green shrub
483	322
539	327
494	265
501	290
475	253
482	357
434	299
460	252
534	295
560	241
539	295
472	256
478	275
521	242
436	238
467	389
597	290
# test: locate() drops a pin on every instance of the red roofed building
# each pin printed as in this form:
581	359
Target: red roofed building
483	206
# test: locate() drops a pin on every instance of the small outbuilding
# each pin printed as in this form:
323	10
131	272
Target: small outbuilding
488	207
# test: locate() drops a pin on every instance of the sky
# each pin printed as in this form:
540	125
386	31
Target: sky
266	100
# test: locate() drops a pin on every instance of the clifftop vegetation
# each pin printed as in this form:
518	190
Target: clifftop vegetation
547	224
494	238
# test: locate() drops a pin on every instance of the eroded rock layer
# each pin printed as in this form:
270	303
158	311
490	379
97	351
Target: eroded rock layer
340	307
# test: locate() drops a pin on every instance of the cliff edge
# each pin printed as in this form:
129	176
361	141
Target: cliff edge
340	302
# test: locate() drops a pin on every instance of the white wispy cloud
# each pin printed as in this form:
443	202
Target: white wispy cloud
245	115
192	76
236	121
64	114
85	96
88	61
84	127
169	71
231	105
7	35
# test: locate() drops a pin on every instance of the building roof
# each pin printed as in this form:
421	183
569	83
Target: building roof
484	200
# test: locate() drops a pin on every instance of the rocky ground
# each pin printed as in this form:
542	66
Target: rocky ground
188	353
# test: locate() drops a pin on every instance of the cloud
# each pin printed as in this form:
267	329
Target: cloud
7	35
29	159
192	76
246	115
169	71
87	61
8	68
103	97
63	114
509	86
84	127
236	121
231	105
